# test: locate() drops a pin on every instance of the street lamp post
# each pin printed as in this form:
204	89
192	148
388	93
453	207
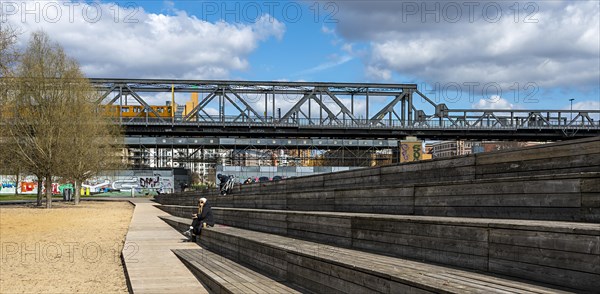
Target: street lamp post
571	108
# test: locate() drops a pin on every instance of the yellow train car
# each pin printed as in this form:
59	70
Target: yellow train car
132	111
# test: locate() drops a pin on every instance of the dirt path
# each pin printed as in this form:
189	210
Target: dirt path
68	249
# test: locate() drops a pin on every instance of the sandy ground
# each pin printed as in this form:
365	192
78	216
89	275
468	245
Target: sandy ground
67	249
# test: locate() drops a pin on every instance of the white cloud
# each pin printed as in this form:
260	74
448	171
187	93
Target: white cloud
327	30
337	61
585	105
150	45
378	73
347	47
549	43
493	102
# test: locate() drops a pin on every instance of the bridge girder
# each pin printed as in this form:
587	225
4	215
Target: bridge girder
314	109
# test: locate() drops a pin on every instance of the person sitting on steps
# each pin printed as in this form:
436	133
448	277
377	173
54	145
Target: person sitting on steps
202	219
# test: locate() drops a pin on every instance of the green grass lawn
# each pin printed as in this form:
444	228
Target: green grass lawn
11	197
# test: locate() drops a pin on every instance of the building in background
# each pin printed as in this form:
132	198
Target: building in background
444	149
490	146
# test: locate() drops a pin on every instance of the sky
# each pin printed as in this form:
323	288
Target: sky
467	54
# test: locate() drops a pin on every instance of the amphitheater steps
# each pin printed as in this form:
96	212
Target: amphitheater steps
566	253
562	197
330	269
518	221
575	156
222	275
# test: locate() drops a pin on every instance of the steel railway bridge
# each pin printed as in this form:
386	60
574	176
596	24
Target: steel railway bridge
357	124
276	110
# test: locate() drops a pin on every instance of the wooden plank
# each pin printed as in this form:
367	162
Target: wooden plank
358	173
429	165
258	246
387	239
415	227
539	152
558	165
549	275
269	266
396	287
341	200
384	209
340	285
514	186
320	228
591	215
255	221
363	280
153	240
539	173
500	283
298	277
353	181
493	199
328	220
591	185
212	280
462	260
387	191
272	216
426	176
556	241
561	261
233	277
480	285
321	237
590	200
525	213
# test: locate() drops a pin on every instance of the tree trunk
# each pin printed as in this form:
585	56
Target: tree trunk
17	185
48	191
40	186
77	191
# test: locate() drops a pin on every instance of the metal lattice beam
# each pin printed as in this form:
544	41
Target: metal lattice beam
332	109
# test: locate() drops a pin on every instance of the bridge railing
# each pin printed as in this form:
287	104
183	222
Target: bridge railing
586	121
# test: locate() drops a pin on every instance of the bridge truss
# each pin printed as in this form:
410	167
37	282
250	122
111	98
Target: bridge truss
329	110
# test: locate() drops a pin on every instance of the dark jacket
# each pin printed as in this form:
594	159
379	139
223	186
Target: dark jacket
207	215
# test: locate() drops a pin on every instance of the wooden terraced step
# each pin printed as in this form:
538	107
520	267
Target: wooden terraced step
574	156
561	253
329	269
222	275
561	197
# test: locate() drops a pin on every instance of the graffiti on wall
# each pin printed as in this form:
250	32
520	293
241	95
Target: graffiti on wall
26	186
8	185
149	181
155	182
410	151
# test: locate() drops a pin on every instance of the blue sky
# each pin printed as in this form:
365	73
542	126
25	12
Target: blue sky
539	54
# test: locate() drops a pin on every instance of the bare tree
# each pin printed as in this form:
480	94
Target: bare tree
8	52
93	140
52	122
8	57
